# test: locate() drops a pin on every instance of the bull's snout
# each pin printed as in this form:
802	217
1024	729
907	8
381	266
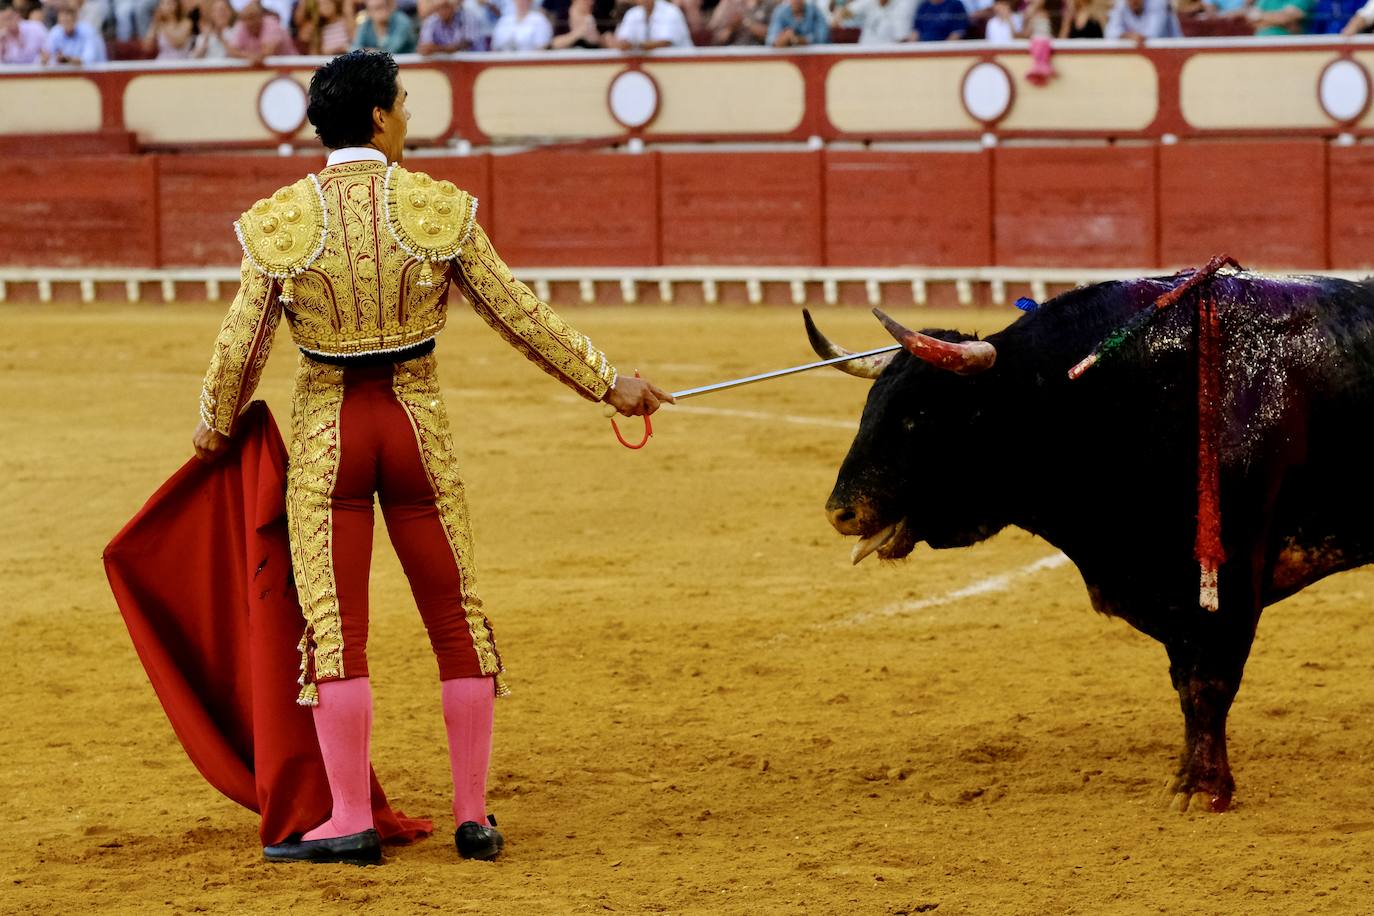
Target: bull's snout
849	517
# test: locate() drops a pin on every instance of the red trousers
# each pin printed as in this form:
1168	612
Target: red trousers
380	430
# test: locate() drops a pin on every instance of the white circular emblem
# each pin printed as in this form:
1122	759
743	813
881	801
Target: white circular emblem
633	98
281	105
987	91
1343	90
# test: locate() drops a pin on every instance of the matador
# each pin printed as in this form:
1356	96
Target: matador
360	258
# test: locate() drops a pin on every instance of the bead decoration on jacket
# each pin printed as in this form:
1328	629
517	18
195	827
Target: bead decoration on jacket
430	220
284	234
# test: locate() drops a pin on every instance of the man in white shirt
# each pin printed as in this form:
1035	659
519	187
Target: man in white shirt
522	29
72	41
652	24
881	22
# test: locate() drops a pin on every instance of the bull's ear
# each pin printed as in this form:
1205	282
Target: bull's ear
865	367
966	357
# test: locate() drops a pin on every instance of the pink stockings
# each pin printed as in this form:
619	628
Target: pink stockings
469	705
343	725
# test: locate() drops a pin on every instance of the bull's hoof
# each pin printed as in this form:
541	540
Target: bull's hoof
1180	797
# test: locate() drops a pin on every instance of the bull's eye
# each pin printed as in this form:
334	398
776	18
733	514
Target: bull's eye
908	424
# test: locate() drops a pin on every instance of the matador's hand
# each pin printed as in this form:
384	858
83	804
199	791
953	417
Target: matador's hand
208	443
636	397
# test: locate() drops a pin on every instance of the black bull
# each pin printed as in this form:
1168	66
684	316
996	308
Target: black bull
967	439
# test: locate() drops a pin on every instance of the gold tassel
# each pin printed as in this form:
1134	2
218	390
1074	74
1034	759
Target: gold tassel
502	688
288	290
310	696
426	274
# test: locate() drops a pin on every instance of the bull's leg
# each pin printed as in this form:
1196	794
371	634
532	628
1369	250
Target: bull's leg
1203	780
1206	666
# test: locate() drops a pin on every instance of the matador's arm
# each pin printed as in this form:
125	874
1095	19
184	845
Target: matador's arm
528	323
240	350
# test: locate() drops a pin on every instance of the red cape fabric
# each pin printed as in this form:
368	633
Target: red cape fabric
202	575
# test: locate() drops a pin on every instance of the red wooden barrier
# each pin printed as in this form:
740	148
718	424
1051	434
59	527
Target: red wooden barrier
199	197
1085	207
74	212
588	209
892	209
1298	204
1351	206
1262	203
741	208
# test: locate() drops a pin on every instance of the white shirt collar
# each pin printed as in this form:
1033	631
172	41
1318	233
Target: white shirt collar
355	154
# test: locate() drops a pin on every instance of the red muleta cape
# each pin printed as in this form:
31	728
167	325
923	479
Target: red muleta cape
202	575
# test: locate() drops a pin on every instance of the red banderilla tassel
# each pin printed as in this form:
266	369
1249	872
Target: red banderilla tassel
1208	548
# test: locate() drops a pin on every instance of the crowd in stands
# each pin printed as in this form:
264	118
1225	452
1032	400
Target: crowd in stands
76	32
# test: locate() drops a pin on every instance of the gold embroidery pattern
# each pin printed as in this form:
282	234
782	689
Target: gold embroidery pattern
527	323
283	234
241	349
430	220
416	386
311	476
364	293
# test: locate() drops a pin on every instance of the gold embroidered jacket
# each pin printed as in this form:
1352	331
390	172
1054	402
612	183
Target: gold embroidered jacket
360	259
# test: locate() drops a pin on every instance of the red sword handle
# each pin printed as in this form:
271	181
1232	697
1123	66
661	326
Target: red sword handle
648	430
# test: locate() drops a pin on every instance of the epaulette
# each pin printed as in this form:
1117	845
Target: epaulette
430	220
282	235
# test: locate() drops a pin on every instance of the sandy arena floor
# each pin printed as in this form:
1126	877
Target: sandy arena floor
714	712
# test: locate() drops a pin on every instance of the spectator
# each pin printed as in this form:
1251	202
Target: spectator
798	22
21	40
322	27
940	20
282	9
1142	19
1329	17
72	41
881	22
95	13
691	11
1004	25
213	41
1361	21
740	22
522	29
335	27
582	30
256	36
1084	19
449	29
385	29
1035	20
651	24
1280	17
170	33
132	18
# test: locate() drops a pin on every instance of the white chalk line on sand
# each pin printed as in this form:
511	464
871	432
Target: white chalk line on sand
998	583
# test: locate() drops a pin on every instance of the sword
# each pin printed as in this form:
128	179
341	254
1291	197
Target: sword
741	382
779	373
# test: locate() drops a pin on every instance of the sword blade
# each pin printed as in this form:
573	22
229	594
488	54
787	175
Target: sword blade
779	373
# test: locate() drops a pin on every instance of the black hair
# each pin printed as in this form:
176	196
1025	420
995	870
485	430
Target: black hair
343	93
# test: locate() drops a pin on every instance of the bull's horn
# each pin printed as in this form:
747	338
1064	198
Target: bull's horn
966	357
867	367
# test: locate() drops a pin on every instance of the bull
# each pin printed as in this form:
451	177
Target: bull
962	437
